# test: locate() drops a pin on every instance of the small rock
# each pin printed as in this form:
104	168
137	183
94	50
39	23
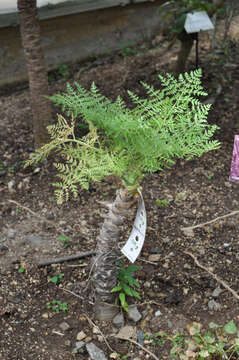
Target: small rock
96	330
88	339
140	337
80	336
154	257
118	320
134	313
188	232
187	266
64	326
147	284
226	245
45	316
11	233
79	345
213	305
126	332
158	313
100	338
227	184
170	324
94	352
217	292
114	355
10	186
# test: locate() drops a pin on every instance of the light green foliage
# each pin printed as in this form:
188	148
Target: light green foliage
65	240
126	284
56	278
162	202
216	343
169	123
57	306
21	269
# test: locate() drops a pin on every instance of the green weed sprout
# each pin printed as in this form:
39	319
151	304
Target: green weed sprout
126	285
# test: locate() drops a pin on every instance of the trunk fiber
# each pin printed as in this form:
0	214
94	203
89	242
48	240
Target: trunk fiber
38	81
107	256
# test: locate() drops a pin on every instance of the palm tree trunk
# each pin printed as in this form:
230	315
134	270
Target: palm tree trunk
185	49
107	255
38	81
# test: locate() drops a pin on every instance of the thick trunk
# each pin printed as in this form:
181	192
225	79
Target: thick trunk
186	46
107	256
38	81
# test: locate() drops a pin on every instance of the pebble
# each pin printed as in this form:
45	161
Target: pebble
126	332
88	339
213	305
64	326
140	337
10	186
45	316
11	233
226	245
118	320
96	330
134	313
95	352
158	313
216	292
80	336
114	355
79	345
154	257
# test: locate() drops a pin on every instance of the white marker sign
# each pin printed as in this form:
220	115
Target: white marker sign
135	242
197	21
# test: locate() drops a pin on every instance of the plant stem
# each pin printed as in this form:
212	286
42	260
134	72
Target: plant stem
106	270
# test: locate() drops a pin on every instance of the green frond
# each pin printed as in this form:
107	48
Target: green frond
169	123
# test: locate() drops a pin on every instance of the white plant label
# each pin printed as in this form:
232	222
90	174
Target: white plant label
135	242
197	21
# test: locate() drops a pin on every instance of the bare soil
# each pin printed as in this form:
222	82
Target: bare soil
194	192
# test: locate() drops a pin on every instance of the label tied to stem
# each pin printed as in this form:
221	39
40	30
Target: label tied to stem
135	242
234	172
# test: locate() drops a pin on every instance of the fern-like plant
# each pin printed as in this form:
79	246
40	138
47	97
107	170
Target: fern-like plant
169	123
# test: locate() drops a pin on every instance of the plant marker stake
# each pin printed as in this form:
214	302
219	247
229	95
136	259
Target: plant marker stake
234	172
135	242
195	22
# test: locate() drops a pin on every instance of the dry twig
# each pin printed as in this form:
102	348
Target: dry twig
211	221
33	213
65	258
213	275
79	296
97	327
136	343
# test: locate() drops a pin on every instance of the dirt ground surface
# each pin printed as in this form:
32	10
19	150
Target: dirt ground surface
175	290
